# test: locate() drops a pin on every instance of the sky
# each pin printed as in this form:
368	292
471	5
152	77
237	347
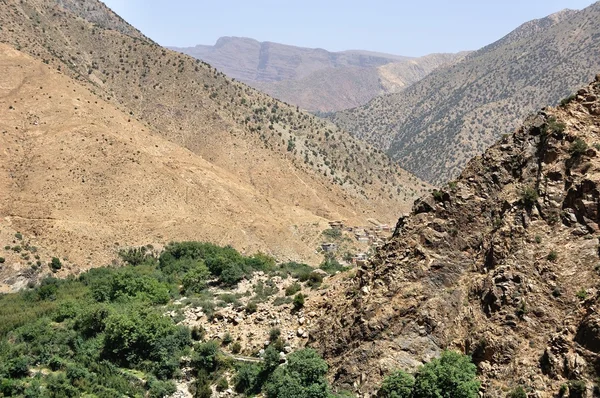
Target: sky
410	28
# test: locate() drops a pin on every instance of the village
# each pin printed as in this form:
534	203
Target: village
355	243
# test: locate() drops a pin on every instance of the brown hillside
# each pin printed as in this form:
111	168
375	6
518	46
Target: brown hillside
434	127
193	105
501	265
80	179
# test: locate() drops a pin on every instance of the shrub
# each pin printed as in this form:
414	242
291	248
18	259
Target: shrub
552	256
453	375
582	294
331	265
236	347
518	392
529	196
227	339
295	270
298	301
577	389
304	376
578	147
246	379
274	334
55	264
195	280
251	307
293	289
18	367
563	390
2	260
222	384
198	333
160	388
567	100
554	126
136	256
332	233
205	356
397	385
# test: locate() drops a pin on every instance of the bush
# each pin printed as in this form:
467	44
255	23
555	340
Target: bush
314	280
331	265
397	385
298	301
518	392
222	384
529	196
577	389
198	333
304	376
251	307
453	375
578	147
55	264
2	260
205	356
227	339
246	379
552	256
236	347
567	100
274	334
19	367
332	233
160	389
195	280
295	270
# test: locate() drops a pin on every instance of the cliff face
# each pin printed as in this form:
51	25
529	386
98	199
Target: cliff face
501	265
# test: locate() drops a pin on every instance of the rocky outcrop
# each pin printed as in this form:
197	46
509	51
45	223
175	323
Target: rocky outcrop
501	265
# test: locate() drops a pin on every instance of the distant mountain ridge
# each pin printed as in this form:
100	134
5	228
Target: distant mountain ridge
250	60
313	78
436	125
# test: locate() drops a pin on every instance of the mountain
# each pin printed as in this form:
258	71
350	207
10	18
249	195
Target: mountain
436	125
501	265
229	164
313	78
81	179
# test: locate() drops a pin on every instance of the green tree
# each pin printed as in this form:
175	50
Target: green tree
196	278
303	376
398	385
298	301
453	375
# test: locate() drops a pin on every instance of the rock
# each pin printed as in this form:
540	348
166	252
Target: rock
569	217
301	321
588	333
287	349
300	332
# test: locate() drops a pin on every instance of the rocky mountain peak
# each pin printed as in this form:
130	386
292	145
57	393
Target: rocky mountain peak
502	265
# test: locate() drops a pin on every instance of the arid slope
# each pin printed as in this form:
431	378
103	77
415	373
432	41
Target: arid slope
501	265
82	179
434	127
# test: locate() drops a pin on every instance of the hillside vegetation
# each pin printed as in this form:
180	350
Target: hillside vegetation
146	142
434	127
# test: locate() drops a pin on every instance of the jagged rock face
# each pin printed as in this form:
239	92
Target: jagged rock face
501	265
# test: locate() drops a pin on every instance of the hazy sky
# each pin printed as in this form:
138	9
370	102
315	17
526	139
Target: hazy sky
394	26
